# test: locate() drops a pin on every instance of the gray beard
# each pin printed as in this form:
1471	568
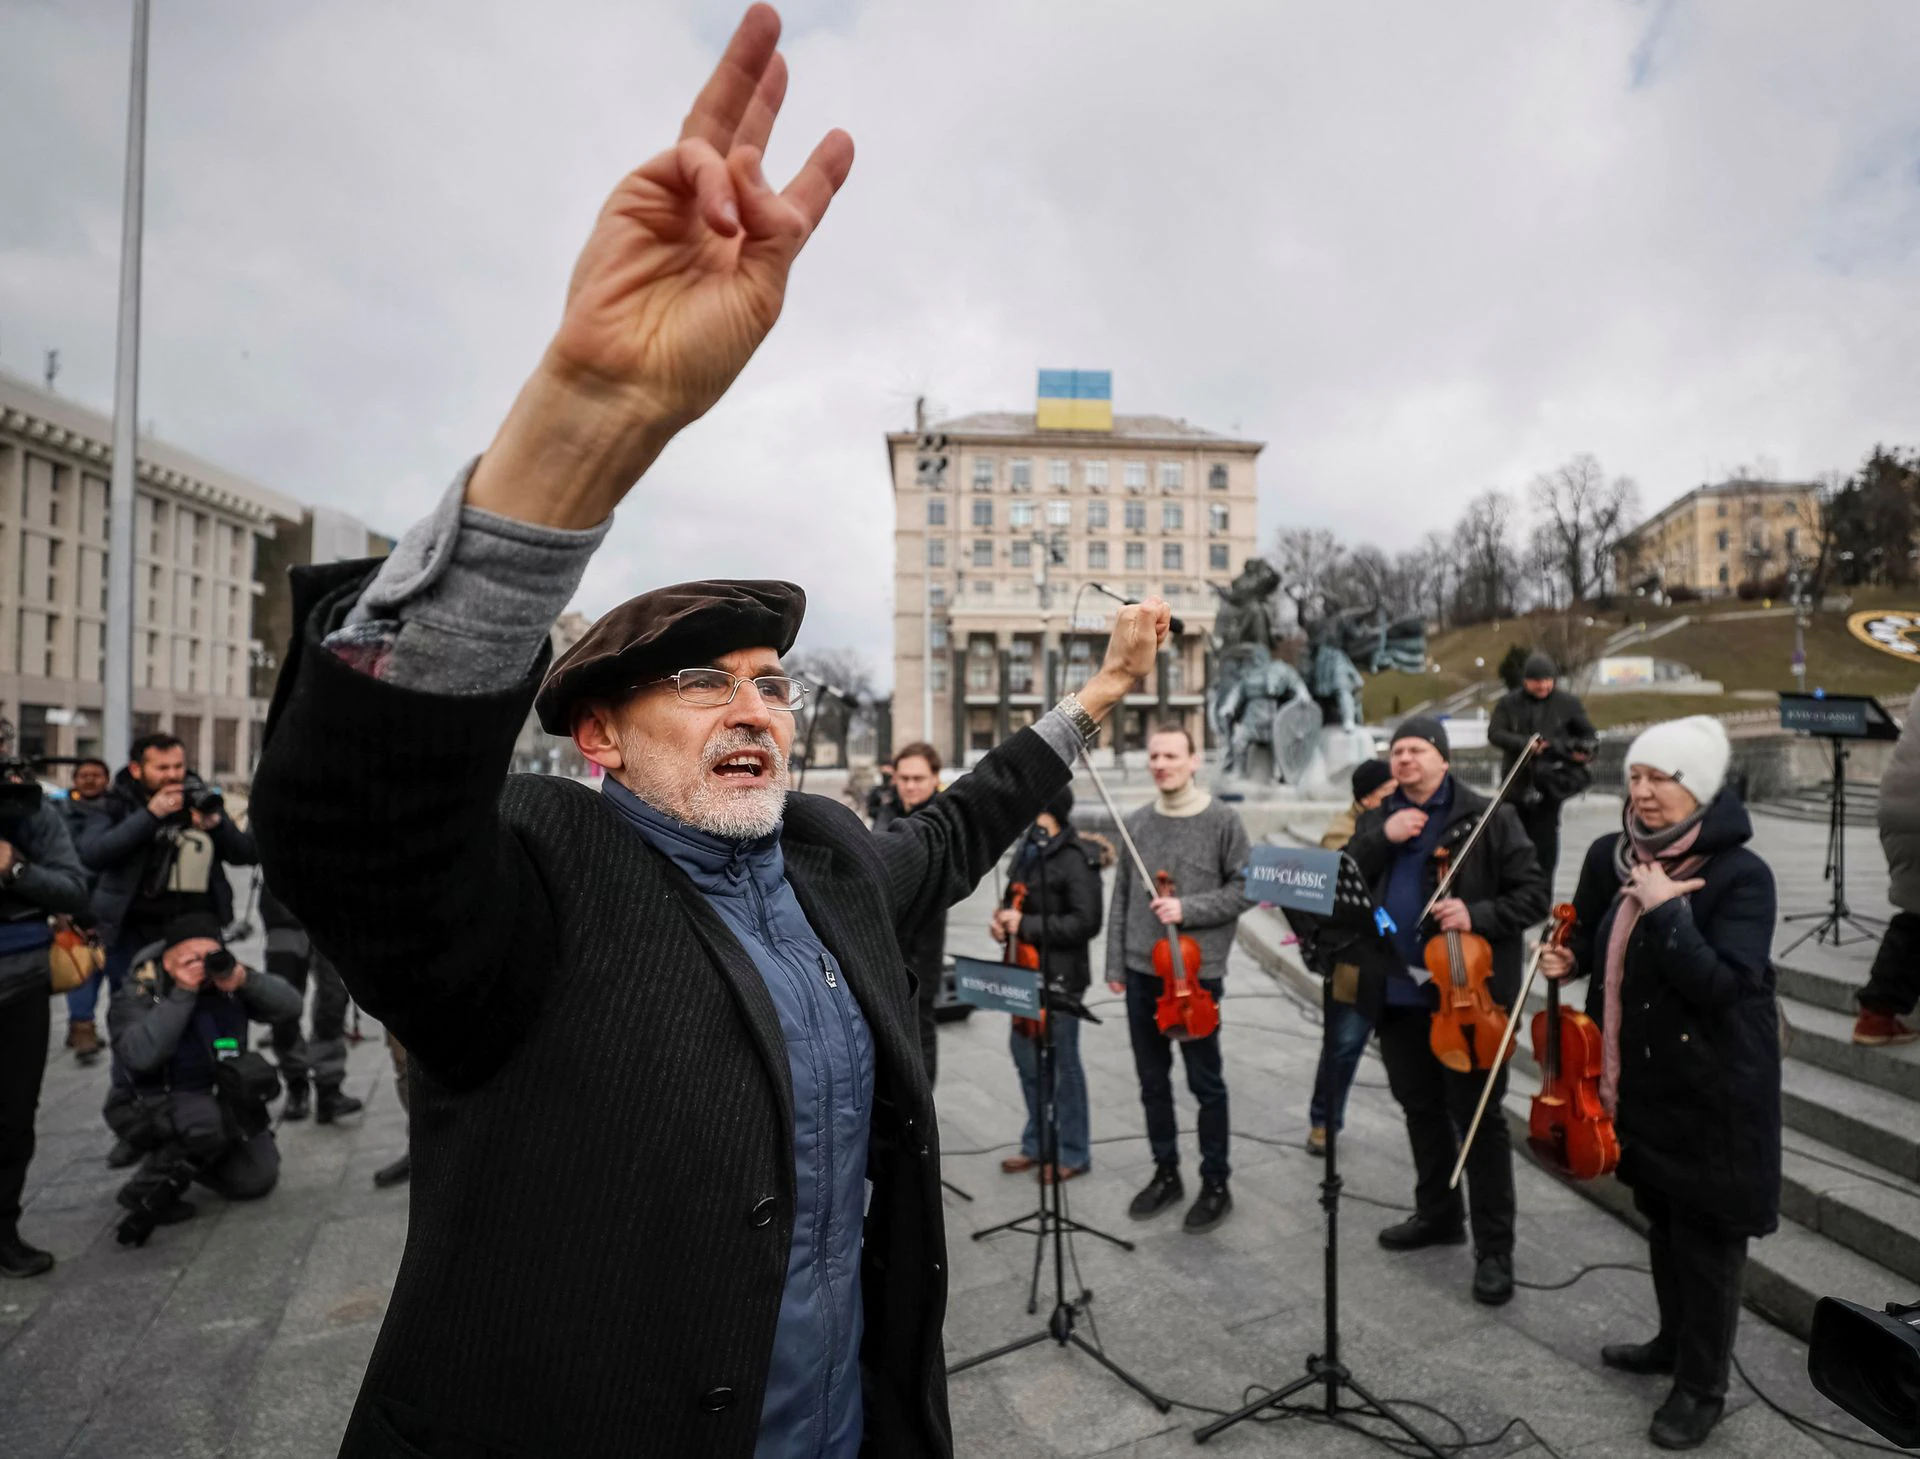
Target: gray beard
690	794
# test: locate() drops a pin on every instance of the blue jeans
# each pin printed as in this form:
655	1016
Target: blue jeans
1346	1040
82	1000
1069	1092
1153	1063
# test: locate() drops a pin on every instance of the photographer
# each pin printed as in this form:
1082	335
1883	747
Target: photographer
186	1089
161	844
1559	773
39	875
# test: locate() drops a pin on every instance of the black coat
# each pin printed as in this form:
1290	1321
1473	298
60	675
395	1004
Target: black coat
924	943
1561	719
119	841
1061	912
1699	1103
602	1126
1500	882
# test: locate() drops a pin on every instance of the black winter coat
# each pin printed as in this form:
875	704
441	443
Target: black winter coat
1061	913
924	944
602	1125
1500	882
1699	1104
1560	719
121	837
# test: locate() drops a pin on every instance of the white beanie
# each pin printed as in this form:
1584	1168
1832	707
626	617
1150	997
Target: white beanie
1694	751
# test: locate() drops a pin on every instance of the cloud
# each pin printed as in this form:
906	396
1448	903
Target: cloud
1420	250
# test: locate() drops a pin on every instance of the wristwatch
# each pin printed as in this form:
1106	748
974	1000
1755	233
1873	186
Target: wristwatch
1084	724
12	873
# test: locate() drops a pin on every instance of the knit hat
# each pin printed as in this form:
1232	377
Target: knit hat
1369	776
1424	727
1538	666
1694	751
1061	806
190	926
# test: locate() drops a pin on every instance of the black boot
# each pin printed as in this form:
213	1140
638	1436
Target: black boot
170	1211
1684	1421
1418	1231
1493	1281
395	1174
332	1104
1210	1207
297	1104
122	1155
1640	1357
17	1259
1162	1191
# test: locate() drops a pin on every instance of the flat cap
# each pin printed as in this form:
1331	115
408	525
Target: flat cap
685	626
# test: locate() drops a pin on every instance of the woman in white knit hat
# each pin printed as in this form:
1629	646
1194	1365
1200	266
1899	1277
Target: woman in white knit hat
1676	922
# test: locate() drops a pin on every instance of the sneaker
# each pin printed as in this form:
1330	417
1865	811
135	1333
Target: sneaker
397	1173
299	1101
1317	1141
1875	1029
1684	1421
1493	1281
17	1259
1417	1231
1639	1357
1162	1191
331	1105
84	1039
1210	1208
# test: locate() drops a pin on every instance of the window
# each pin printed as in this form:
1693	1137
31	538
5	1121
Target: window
1059	514
982	557
1218	519
53	635
1020	474
1720	539
1217	557
1173	517
937	594
1136	475
1723	574
1171	555
936	511
1136	516
937	635
980	664
1096	474
936	553
1720	510
1096	516
983	514
1173	475
1096	557
1136	560
1020	515
983	473
1793	540
1023	554
982	588
1059	472
939	678
1217	477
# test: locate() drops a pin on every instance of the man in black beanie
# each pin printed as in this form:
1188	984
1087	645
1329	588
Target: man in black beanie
1497	893
1559	772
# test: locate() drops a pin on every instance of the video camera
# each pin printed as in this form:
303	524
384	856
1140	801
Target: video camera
204	798
20	791
1868	1362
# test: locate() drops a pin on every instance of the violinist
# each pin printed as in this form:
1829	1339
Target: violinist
1058	917
1201	844
1675	931
1496	893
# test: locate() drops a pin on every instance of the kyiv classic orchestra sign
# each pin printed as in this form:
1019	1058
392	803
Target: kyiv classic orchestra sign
1294	877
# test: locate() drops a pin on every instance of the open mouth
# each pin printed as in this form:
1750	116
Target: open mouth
744	768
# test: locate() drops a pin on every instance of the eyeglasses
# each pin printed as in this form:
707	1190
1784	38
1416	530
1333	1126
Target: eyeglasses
712	688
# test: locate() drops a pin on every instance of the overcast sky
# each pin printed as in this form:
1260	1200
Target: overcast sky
1419	249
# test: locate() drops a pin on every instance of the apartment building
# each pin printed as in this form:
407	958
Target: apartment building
1715	538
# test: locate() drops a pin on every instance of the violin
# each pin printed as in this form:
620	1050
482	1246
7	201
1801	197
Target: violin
1186	1010
1020	954
1468	1026
1568	1127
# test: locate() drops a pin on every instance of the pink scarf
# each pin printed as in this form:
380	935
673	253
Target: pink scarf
1637	846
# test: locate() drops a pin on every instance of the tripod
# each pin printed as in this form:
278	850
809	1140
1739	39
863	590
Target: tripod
1324	1369
1052	1226
1838	915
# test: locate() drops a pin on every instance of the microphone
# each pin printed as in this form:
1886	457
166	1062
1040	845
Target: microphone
1174	625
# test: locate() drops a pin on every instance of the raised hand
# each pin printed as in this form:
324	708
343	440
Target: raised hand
1139	631
682	278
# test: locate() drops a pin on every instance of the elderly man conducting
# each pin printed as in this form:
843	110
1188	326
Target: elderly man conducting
676	1176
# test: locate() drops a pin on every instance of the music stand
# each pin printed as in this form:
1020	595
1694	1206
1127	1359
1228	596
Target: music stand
1354	914
1839	719
1053	1226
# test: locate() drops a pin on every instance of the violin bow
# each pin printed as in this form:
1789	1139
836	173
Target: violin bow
1534	746
1499	1060
1120	825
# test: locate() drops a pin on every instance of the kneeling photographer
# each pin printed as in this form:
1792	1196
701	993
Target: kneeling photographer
187	1091
161	843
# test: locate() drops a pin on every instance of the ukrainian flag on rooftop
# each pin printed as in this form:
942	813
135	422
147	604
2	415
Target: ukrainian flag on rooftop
1075	400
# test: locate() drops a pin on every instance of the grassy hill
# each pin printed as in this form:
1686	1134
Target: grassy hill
1751	656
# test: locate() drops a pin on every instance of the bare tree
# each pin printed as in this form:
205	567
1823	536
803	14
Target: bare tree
1584	515
1487	563
1308	559
1437	576
846	671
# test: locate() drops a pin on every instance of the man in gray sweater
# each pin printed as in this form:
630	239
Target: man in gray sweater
1203	847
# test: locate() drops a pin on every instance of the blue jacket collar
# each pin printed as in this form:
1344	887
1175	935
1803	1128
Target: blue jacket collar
708	859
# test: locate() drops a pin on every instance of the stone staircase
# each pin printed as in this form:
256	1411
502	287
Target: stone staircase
1813	802
1850	1186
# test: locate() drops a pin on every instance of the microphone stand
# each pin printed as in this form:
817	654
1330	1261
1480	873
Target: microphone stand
1055	1225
